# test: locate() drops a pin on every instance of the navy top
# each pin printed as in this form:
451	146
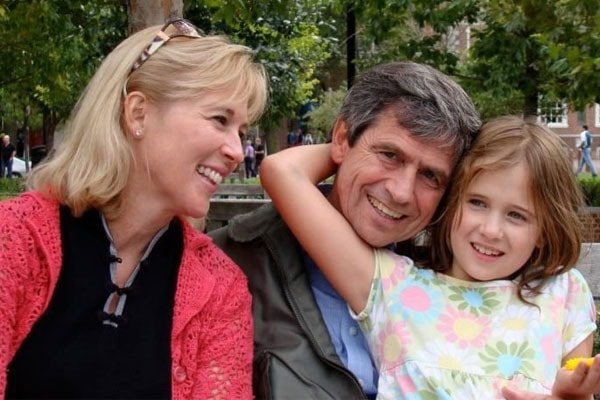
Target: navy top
78	348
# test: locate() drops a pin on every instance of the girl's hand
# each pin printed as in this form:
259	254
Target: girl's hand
579	383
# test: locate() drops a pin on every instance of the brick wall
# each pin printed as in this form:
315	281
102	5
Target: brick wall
591	220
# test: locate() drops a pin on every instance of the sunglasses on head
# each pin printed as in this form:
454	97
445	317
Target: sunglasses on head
172	29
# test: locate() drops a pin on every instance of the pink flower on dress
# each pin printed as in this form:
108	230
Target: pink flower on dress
406	384
464	328
549	347
393	342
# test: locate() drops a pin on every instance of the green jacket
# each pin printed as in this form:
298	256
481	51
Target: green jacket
293	354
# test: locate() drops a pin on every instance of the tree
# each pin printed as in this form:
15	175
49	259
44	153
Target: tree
142	14
535	48
50	50
287	37
322	118
521	50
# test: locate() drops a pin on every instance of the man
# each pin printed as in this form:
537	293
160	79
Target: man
585	144
8	153
292	138
306	343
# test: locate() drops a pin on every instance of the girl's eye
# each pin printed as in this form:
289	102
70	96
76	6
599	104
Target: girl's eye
517	216
476	202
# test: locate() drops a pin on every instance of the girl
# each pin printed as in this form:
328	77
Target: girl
499	303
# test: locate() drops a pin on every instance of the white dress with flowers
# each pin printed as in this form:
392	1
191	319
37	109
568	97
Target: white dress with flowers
437	337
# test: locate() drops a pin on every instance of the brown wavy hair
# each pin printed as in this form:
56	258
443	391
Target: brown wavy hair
557	197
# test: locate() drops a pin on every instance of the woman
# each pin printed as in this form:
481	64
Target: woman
105	290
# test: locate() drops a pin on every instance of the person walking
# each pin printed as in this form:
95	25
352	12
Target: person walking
308	138
585	146
8	154
259	154
249	159
292	138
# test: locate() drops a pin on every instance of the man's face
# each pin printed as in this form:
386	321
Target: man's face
388	184
5	139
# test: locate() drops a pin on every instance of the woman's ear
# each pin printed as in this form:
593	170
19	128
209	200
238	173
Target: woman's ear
135	107
339	141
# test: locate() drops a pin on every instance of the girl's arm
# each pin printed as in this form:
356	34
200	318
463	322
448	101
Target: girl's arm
584	380
289	177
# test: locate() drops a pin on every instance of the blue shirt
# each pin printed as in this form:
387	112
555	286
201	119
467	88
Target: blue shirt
350	344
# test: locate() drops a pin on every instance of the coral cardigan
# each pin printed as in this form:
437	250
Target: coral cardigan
211	338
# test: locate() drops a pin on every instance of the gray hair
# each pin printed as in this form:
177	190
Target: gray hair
428	103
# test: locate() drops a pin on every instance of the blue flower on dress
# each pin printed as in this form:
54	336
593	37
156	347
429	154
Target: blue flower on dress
424	275
508	359
475	300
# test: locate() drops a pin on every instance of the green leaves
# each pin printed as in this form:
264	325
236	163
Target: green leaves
534	47
50	50
288	39
322	118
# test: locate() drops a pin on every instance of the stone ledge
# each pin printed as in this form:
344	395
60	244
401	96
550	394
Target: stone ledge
588	264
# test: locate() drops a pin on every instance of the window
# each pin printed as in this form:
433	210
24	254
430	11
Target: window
553	113
597	115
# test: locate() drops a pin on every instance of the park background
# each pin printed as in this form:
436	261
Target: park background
538	58
533	57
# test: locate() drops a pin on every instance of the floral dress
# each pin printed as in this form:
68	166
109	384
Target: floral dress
437	337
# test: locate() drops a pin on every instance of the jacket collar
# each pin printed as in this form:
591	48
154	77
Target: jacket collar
247	227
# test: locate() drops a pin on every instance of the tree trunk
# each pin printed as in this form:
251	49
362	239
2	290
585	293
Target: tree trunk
531	84
49	123
531	94
350	43
144	13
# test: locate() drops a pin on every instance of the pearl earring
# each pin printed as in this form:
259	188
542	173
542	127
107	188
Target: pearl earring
137	133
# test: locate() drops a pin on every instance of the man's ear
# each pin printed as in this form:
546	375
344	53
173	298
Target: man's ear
339	141
135	107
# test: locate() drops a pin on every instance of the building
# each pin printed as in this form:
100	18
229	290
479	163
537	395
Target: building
568	124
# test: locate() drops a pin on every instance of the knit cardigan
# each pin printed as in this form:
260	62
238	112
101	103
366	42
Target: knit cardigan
211	338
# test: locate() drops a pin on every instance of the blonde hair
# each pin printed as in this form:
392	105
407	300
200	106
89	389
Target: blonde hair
91	166
502	143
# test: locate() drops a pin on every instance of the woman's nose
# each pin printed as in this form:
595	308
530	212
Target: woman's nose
232	148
